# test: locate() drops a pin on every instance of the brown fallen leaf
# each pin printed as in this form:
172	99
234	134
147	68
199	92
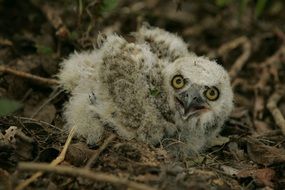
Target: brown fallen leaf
10	134
78	154
39	109
261	127
7	160
46	114
229	170
24	147
262	177
264	154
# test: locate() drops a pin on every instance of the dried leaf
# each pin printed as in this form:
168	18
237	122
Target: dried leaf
78	153
261	127
264	154
262	177
47	114
24	146
229	170
10	134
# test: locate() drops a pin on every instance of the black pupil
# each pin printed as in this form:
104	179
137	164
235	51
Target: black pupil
212	93
178	81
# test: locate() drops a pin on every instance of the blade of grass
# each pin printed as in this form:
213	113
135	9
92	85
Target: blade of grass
242	6
259	8
222	3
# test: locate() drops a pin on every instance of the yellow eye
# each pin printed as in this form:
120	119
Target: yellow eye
178	82
212	93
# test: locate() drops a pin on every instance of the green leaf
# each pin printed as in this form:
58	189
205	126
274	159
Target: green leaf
243	4
41	49
259	7
222	3
8	106
108	5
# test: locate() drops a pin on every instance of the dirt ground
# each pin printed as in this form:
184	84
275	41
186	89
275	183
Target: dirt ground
35	36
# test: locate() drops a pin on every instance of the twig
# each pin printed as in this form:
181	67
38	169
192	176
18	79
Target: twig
5	42
53	17
207	23
268	69
276	113
243	84
241	60
276	56
101	149
86	173
55	162
21	74
38	121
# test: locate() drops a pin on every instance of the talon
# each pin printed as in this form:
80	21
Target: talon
92	98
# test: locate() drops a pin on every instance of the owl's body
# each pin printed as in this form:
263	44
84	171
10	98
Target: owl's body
129	87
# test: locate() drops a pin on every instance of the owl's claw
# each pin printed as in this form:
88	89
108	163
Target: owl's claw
92	98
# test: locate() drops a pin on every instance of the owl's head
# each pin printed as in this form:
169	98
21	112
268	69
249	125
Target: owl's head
198	88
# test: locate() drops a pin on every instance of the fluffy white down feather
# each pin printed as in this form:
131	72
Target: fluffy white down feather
128	87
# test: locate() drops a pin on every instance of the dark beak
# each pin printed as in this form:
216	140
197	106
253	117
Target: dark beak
191	103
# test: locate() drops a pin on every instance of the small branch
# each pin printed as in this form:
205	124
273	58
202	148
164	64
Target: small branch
5	42
241	60
21	74
85	173
55	162
268	69
38	121
276	113
53	17
204	24
99	151
276	56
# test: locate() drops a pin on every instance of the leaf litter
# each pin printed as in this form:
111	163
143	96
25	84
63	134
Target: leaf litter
251	48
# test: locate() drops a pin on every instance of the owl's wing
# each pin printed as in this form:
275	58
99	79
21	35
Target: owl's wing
126	72
84	66
162	43
90	108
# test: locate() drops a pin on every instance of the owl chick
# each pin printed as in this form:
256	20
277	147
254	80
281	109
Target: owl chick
151	90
